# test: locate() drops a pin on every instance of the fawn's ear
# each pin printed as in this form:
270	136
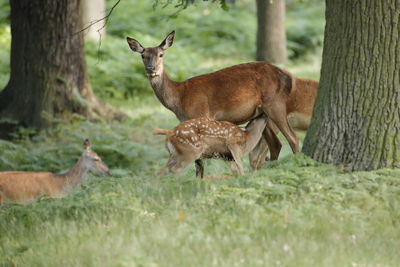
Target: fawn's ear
135	45
168	41
86	144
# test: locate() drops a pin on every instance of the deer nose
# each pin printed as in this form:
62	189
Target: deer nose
150	68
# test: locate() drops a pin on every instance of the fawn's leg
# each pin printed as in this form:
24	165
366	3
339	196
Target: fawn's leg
199	168
181	163
237	154
164	170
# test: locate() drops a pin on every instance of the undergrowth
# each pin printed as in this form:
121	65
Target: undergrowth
293	212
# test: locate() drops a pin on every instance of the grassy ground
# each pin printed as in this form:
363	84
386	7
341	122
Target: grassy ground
294	212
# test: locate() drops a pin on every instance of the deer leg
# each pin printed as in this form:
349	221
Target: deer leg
233	166
180	165
164	170
278	115
237	154
272	143
272	140
258	155
199	168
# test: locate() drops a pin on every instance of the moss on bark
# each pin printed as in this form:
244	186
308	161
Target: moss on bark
356	120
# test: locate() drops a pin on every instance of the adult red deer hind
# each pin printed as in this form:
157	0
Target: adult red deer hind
236	94
23	186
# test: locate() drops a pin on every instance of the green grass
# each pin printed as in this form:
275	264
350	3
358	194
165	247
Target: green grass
294	212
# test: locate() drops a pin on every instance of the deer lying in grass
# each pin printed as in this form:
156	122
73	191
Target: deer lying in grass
236	94
21	186
205	138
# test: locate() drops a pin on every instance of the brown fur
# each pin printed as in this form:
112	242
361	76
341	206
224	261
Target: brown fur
236	94
206	138
302	99
25	186
159	131
299	110
22	187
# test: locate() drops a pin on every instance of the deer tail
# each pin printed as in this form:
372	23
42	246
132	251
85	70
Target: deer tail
287	81
159	131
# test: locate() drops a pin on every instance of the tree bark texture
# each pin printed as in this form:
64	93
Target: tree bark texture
356	119
271	33
93	10
48	69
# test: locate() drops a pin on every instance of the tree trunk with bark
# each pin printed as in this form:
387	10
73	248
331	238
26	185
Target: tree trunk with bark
271	33
48	77
356	119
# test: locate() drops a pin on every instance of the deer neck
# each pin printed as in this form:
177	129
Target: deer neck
75	175
167	91
254	132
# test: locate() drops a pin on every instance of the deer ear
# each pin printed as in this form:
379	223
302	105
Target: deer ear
167	43
86	144
135	45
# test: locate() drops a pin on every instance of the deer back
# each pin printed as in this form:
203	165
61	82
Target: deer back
22	186
206	135
235	93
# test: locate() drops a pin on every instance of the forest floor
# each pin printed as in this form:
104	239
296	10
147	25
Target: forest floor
293	212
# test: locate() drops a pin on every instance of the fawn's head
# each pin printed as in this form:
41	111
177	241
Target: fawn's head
92	161
152	56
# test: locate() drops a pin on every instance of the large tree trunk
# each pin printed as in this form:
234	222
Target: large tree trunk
356	119
48	70
271	33
92	11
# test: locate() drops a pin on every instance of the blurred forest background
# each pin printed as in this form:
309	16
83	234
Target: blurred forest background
293	212
208	38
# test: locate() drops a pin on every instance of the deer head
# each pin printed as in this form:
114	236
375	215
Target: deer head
152	56
92	161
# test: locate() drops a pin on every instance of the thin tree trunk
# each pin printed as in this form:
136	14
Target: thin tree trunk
93	10
271	33
356	119
48	69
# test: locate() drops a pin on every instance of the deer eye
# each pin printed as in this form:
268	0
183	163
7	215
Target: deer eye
161	55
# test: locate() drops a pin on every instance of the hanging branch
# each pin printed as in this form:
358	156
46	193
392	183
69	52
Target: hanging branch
105	18
183	4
